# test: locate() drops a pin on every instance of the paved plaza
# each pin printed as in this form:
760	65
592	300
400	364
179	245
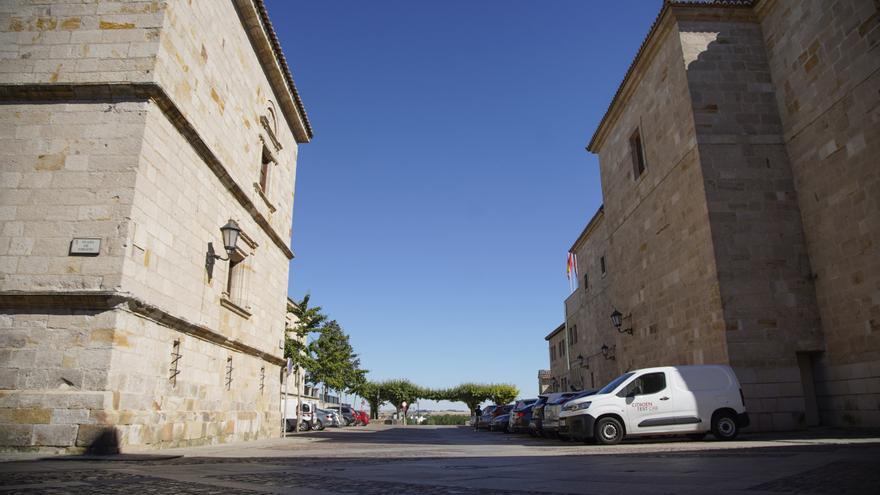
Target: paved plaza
457	460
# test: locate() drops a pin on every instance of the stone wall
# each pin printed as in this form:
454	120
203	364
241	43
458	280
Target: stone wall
202	405
589	309
84	42
207	65
53	377
823	58
68	171
659	256
161	147
763	269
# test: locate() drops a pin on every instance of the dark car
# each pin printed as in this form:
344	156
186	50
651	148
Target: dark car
485	419
521	415
537	415
491	412
499	423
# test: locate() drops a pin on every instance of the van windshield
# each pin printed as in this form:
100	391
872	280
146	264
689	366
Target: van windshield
607	389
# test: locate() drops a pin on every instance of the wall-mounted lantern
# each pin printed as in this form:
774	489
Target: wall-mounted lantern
608	352
230	233
617	321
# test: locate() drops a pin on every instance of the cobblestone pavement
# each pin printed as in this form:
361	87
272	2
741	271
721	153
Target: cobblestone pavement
451	460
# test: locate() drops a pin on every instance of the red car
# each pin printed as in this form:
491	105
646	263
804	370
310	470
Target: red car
360	417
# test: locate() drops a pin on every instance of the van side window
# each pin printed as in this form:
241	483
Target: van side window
647	384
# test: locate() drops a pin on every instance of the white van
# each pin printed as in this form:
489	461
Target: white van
670	400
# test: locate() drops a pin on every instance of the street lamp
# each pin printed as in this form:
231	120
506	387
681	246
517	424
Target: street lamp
230	233
617	321
608	352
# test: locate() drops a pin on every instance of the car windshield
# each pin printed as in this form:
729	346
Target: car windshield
607	389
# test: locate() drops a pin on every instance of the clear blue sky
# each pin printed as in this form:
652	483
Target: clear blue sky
448	177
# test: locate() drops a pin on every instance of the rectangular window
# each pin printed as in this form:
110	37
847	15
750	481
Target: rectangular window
638	154
586	282
552	353
235	279
265	168
602	264
572	335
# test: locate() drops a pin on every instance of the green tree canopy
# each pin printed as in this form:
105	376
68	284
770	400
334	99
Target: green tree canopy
502	393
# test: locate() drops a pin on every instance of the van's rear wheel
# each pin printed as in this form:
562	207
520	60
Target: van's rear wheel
724	426
608	431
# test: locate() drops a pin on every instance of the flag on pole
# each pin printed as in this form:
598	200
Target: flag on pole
571	271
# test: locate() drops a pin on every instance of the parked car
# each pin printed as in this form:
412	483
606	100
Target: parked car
346	414
549	425
486	418
537	415
330	417
305	417
521	415
491	413
669	400
361	418
499	423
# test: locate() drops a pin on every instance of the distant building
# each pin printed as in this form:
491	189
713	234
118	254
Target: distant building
132	133
741	223
545	381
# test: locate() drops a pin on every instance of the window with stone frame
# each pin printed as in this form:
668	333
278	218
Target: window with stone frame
265	170
602	264
637	150
586	281
552	353
572	335
236	279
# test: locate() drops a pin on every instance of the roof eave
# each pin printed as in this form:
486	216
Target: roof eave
256	22
591	226
554	332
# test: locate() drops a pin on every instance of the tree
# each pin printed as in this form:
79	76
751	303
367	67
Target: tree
306	321
398	391
502	393
335	362
471	394
371	391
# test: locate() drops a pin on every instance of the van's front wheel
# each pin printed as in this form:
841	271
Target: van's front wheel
724	426
608	431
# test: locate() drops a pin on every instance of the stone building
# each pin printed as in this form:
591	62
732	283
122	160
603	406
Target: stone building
131	133
741	216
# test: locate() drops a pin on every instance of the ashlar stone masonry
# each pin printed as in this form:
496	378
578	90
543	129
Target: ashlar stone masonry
147	126
741	216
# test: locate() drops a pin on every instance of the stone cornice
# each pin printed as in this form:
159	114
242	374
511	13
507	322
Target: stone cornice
588	230
255	19
112	300
10	93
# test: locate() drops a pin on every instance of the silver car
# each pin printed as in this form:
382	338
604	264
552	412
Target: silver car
550	422
327	417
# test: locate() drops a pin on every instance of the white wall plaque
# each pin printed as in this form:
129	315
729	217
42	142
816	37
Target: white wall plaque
83	246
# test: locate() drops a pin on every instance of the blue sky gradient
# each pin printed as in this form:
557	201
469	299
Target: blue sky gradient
448	177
